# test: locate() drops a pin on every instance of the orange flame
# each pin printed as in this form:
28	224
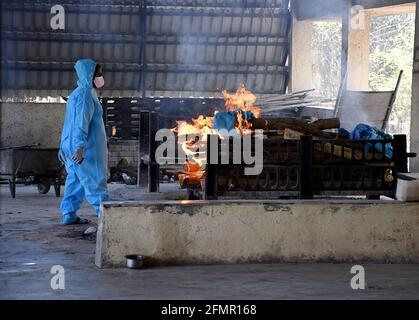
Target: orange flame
201	126
242	99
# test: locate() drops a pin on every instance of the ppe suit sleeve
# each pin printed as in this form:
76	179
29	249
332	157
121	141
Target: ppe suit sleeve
84	113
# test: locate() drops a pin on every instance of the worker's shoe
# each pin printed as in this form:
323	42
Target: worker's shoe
69	219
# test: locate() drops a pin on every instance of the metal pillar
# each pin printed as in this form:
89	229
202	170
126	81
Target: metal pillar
306	167
211	185
400	153
153	166
143	70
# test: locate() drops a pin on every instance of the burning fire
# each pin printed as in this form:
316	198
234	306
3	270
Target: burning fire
241	103
242	100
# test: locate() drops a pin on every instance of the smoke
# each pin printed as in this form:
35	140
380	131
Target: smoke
362	107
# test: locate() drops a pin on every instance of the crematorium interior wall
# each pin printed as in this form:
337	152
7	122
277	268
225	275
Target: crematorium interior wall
32	123
24	123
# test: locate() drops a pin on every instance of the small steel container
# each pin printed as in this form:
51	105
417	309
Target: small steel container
134	261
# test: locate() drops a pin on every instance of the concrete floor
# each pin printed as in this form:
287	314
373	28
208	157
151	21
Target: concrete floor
32	241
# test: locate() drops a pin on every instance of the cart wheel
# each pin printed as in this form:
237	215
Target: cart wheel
43	187
27	181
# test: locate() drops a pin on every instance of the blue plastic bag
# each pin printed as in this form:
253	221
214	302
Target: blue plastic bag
366	132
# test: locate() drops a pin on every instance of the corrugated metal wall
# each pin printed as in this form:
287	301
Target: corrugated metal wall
192	47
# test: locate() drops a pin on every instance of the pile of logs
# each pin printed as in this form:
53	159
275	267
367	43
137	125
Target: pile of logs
292	128
192	176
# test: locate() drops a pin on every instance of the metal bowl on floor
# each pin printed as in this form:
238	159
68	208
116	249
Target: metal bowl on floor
135	261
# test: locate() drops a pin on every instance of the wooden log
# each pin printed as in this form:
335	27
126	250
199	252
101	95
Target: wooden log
281	123
339	151
293	124
290	134
323	124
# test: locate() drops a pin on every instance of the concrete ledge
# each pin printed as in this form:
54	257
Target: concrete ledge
200	232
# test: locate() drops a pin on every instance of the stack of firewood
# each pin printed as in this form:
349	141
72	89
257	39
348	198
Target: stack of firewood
292	128
192	176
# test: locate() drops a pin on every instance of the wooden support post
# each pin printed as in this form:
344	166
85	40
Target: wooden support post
400	153
306	167
153	166
211	185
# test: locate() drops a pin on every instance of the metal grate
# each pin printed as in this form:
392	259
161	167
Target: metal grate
309	167
124	113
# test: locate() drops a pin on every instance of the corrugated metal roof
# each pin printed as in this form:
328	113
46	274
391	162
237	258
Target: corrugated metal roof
193	47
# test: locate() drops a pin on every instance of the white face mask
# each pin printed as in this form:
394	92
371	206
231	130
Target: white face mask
99	82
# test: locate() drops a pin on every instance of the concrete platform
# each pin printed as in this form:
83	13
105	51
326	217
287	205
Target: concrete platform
32	241
213	232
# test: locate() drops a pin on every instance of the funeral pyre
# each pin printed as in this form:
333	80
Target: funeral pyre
240	117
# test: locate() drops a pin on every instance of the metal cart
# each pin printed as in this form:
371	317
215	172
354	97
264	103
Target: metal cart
32	164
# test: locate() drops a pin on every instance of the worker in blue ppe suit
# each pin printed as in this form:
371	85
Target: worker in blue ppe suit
83	145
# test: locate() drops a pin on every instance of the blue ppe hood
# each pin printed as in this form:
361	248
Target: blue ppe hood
85	69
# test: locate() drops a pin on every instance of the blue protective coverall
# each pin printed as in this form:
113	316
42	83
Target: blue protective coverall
84	127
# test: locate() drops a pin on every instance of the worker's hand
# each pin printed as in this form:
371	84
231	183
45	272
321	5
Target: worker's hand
78	156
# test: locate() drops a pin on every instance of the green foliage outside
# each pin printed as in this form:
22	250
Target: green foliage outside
326	47
391	50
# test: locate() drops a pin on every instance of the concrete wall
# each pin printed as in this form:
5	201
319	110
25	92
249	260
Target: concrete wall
358	44
302	57
358	56
302	77
31	123
127	149
196	232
